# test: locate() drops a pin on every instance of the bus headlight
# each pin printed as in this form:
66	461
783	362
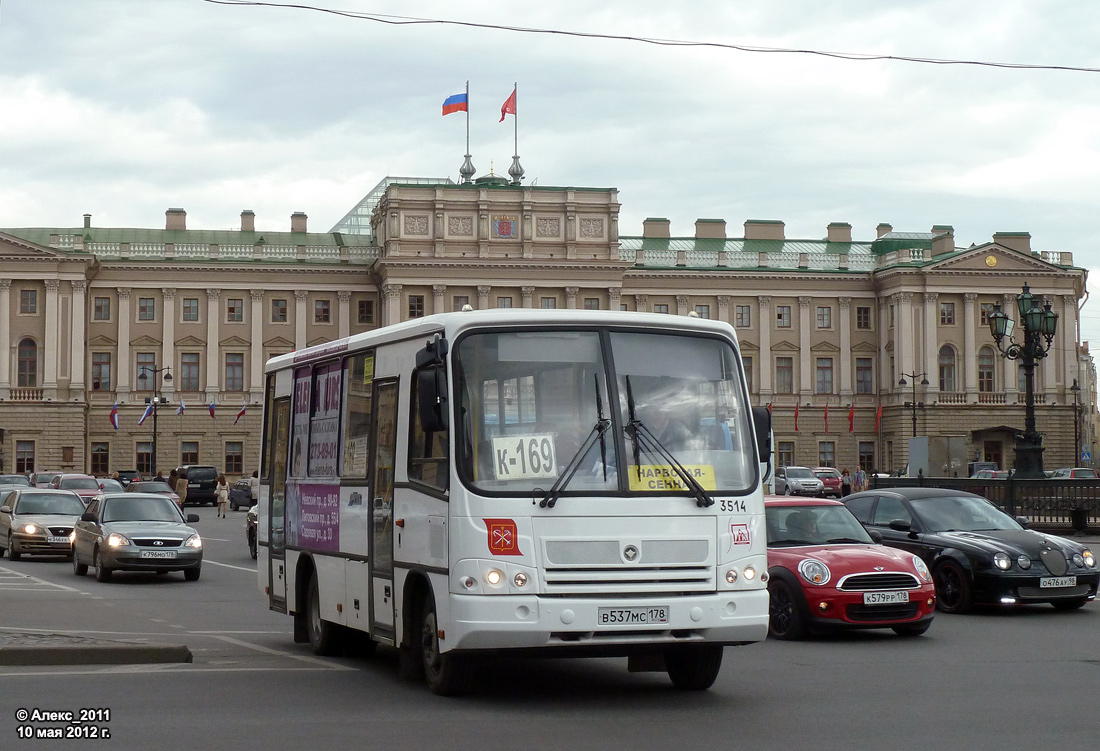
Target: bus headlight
520	579
494	577
731	576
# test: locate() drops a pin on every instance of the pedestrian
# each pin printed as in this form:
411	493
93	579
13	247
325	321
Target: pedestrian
181	488
254	487
861	479
222	492
845	483
160	476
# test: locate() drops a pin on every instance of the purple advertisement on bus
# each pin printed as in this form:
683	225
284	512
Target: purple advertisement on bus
313	515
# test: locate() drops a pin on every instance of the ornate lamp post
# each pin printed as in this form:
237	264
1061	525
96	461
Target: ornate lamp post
146	370
914	405
1039	325
1076	424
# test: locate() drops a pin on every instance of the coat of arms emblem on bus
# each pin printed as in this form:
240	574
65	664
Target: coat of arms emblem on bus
503	537
504	226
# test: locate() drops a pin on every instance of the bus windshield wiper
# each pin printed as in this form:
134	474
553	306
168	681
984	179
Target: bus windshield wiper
643	439
598	430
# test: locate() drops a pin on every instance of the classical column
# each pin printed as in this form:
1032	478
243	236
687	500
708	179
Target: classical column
528	293
1050	362
483	291
79	316
301	297
681	305
764	326
256	366
1011	367
50	346
571	297
343	316
438	304
391	304
885	375
122	383
806	384
168	340
904	334
5	339
213	346
969	359
931	339
724	309
613	298
845	305
1068	332
641	303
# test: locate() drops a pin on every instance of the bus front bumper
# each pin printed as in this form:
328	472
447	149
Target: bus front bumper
605	625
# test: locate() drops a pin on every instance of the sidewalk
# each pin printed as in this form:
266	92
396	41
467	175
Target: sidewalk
43	648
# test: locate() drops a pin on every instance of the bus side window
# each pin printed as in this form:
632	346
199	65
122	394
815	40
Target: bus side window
427	450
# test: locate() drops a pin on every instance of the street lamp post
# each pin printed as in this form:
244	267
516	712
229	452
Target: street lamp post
1076	425
1039	325
157	399
914	405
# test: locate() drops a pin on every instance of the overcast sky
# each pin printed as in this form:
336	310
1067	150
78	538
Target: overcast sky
124	108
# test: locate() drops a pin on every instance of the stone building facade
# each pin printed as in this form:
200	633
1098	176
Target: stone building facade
829	327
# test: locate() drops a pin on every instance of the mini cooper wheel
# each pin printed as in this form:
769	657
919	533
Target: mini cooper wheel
953	591
786	618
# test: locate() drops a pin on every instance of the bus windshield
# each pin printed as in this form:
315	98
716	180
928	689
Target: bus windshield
532	403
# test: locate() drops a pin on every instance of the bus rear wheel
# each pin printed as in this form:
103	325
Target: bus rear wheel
446	673
324	636
694	667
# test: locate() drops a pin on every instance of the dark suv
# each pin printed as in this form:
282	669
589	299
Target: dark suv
202	481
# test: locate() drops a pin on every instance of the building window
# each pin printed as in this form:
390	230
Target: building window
703	311
459	302
234	310
824	375
278	311
101	309
747	363
101	371
783	316
987	308
622	306
947	368
234	371
863	318
146	362
189	371
548	303
660	308
366	311
985	370
784	453
234	457
189	452
145	457
321	311
147	309
591	303
867	456
416	306
824	317
742	316
865	376
28	364
101	458
28	301
504	302
947	314
826	454
784	375
191	309
24	456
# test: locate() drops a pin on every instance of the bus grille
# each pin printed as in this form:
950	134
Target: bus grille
604	567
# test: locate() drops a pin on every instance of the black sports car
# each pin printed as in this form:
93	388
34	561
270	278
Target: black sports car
978	554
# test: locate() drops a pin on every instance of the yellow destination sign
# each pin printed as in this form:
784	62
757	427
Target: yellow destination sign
663	477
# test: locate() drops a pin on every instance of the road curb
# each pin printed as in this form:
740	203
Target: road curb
115	654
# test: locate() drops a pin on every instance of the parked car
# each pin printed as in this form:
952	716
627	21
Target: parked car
797	481
830	480
240	495
202	480
1075	473
136	532
43	479
107	485
38	521
20	480
978	554
153	486
991	474
825	572
251	519
85	486
127	476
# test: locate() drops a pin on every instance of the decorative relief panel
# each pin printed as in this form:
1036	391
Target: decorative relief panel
591	229
548	227
460	226
504	226
416	224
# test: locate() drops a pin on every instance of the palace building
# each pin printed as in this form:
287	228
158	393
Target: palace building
97	318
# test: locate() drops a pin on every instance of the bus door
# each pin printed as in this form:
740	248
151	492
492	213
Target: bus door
280	427
381	508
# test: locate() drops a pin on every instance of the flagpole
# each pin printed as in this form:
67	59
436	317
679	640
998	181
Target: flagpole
467	170
515	171
467	118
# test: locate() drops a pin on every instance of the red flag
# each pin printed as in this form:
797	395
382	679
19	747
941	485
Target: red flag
826	418
769	408
509	106
851	417
878	418
796	418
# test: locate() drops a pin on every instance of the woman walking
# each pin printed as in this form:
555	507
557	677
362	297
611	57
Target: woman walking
845	483
222	493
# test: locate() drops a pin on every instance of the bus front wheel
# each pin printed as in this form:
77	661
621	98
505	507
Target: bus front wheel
693	667
446	673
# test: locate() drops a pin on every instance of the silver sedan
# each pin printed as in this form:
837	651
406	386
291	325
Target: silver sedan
38	521
136	532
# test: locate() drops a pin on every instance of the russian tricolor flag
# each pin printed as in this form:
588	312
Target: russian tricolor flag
211	409
179	409
114	416
148	411
244	408
455	103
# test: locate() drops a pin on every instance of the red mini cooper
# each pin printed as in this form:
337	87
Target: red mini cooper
826	572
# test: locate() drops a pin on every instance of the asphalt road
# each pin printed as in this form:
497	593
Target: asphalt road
1004	679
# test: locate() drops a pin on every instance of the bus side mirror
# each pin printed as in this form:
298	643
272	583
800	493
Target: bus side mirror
762	419
431	399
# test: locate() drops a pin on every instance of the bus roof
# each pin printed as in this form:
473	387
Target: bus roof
452	324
